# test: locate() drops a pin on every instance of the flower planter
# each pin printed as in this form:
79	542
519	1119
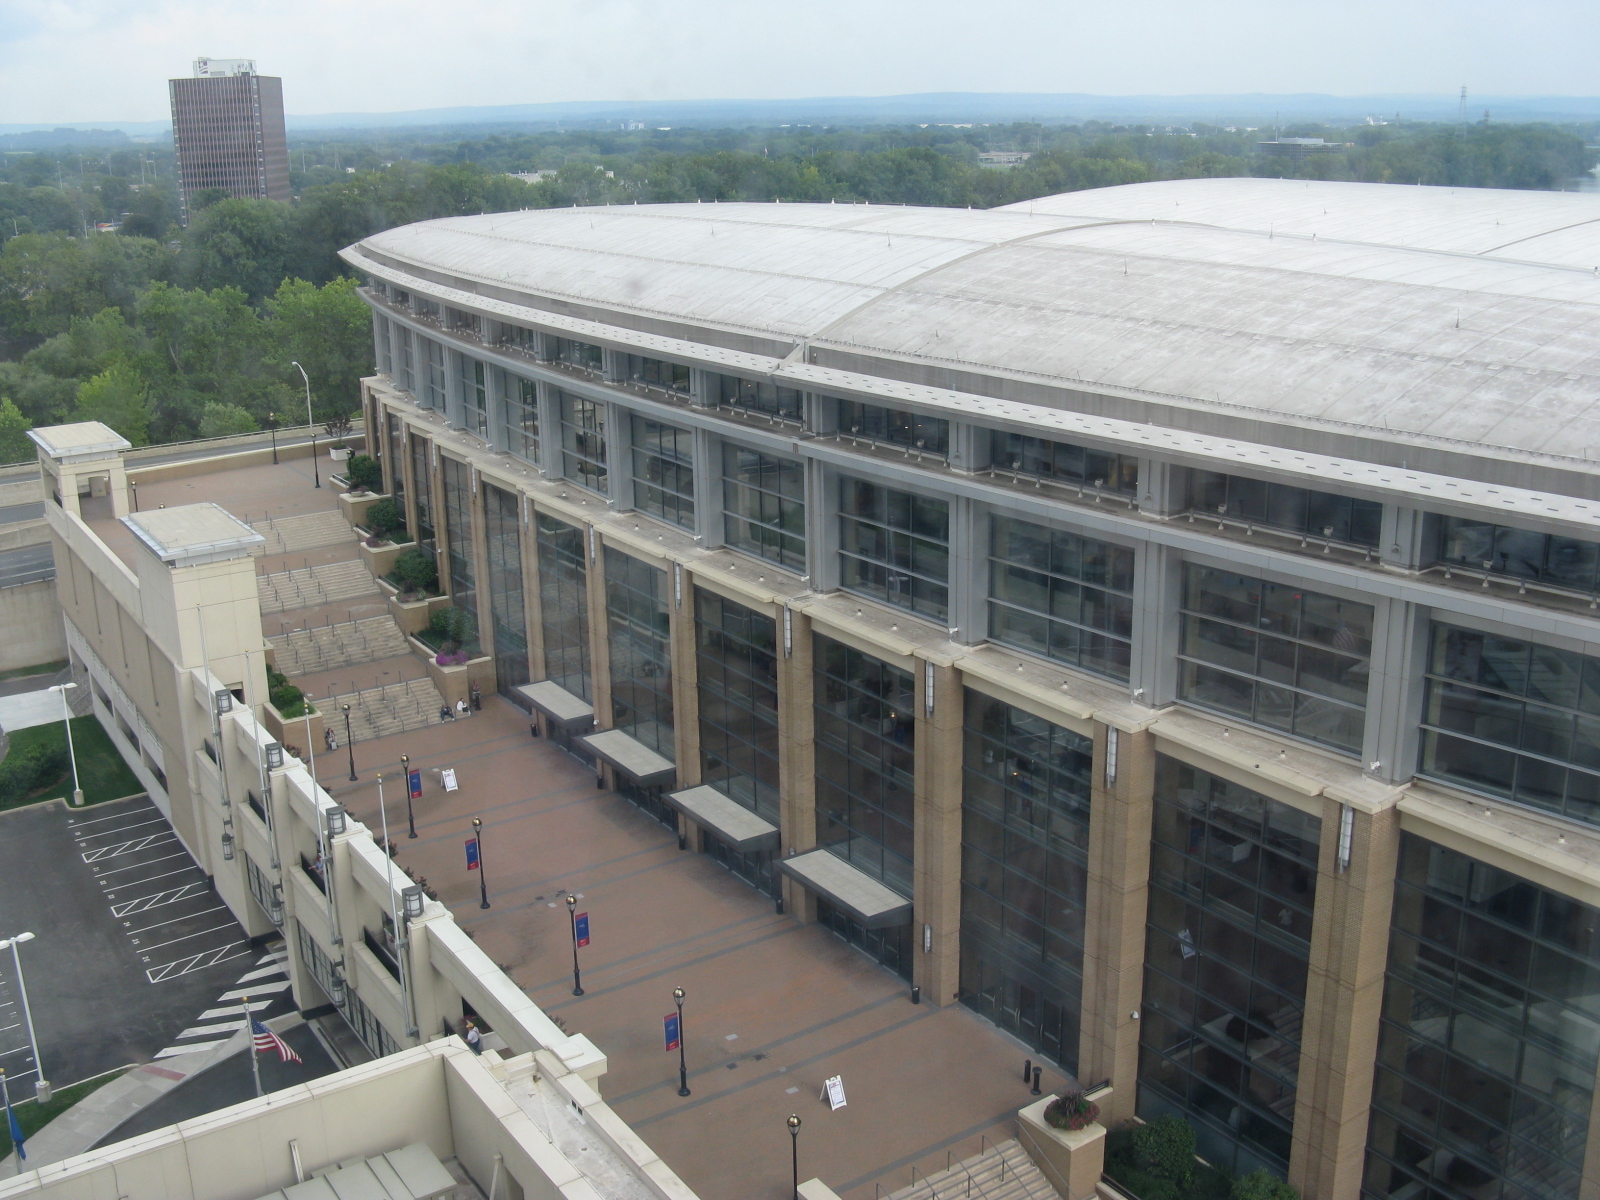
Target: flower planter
380	559
339	453
1072	1160
354	506
454	682
293	731
411	615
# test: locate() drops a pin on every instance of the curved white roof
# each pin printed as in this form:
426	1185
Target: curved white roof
1470	315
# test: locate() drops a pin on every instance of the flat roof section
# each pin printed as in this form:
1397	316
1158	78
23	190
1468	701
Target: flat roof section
728	820
193	533
633	758
853	890
78	441
572	713
411	1173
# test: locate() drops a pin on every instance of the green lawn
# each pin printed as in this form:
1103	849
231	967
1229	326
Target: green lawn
100	767
49	668
33	1116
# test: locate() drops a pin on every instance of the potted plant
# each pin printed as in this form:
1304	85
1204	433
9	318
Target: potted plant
364	472
415	573
338	429
1071	1110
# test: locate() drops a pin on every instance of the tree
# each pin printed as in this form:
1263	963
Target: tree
116	397
14	444
221	420
328	331
238	243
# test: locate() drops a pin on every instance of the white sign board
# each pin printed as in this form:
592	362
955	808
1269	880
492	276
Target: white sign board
833	1092
448	776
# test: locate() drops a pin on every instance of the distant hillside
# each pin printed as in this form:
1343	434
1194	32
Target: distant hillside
65	138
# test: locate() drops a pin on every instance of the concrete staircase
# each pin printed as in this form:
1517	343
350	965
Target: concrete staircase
287	535
329	647
308	587
1001	1172
384	711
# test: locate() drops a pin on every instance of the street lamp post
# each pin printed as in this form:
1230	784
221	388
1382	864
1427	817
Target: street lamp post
310	422
572	915
41	1086
483	872
349	745
272	426
66	720
411	816
683	1070
794	1153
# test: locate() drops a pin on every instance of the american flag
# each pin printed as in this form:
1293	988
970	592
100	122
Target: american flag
266	1040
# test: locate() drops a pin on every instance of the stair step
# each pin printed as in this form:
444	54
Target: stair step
309	587
344	644
390	709
999	1172
308	531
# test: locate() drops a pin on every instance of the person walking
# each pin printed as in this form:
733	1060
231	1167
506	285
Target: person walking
474	1038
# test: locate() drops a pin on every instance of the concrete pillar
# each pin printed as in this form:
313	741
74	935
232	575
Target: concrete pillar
705	388
613	365
797	755
969	571
1114	915
936	899
1401	542
685	674
1344	998
479	552
618	430
708	525
599	630
549	429
532	600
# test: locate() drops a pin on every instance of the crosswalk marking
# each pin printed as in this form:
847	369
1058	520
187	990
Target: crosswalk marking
171	896
258	989
196	962
262	972
191	1048
133	847
214	1027
230	1010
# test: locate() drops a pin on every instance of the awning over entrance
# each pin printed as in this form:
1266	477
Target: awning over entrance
572	713
633	758
725	819
860	895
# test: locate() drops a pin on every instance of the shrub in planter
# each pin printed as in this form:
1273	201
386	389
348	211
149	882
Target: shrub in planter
1259	1185
415	571
453	627
289	700
364	472
384	517
452	658
1070	1110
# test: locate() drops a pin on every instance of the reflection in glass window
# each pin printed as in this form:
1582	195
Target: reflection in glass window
1233	882
474	396
895	547
765	398
396	460
663	471
1490	1035
517	338
433	382
1065	462
764	506
519	412
639	625
422	480
654	372
736	649
458	534
1276	655
894	427
1560	561
583	441
579	354
564	605
407	373
502	521
1292	509
1062	596
865	738
1514	719
1024	874
385	346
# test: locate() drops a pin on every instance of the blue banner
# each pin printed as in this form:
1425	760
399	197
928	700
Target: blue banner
414	784
671	1022
583	929
472	854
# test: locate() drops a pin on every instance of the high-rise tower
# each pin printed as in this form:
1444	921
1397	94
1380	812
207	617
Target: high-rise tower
227	128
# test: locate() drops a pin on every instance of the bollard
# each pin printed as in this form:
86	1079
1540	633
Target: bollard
780	906
1037	1071
533	729
1027	1069
916	993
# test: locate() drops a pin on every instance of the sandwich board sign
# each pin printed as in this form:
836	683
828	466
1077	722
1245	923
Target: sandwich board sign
833	1092
448	777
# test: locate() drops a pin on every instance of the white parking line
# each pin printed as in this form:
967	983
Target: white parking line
157	899
175	920
149	862
152	878
129	847
112	817
187	936
195	962
118	829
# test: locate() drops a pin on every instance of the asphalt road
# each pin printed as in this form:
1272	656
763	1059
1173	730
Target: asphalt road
26	564
13	513
131	944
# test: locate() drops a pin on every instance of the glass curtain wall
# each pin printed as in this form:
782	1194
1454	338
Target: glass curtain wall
1490	1035
1515	720
663	471
1064	462
583	441
639	615
458	540
1062	596
1291	509
764	506
579	354
474	396
1024	874
865	738
434	383
405	361
653	372
422	481
519	411
1276	655
397	460
385	362
1520	553
895	547
1233	881
895	427
765	398
502	528
564	604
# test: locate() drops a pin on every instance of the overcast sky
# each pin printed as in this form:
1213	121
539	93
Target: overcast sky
83	60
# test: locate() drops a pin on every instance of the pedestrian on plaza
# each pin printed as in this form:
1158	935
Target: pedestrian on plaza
462	709
477	699
474	1038
329	739
445	714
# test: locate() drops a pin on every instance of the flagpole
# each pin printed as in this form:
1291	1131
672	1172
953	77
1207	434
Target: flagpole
13	1128
249	1028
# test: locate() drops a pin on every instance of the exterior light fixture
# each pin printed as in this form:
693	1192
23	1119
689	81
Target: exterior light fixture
224	701
336	820
337	989
275	908
227	846
411	900
274	755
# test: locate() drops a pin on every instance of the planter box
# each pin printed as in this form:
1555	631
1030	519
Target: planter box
380	559
1072	1160
355	507
339	453
293	731
412	617
455	683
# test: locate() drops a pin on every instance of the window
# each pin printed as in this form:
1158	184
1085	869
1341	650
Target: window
894	427
653	372
1062	596
1558	561
736	649
385	354
408	375
865	742
764	506
356	1014
1024	874
433	380
895	547
1487	1047
458	535
474	396
640	623
766	398
428	310
260	886
583	441
502	519
422	481
1065	462
579	354
470	324
396	464
1294	510
519	410
1276	655
517	338
1233	883
564	605
663	471
1514	719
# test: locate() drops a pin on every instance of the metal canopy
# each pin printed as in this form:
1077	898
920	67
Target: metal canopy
726	820
633	758
411	1173
572	713
860	895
